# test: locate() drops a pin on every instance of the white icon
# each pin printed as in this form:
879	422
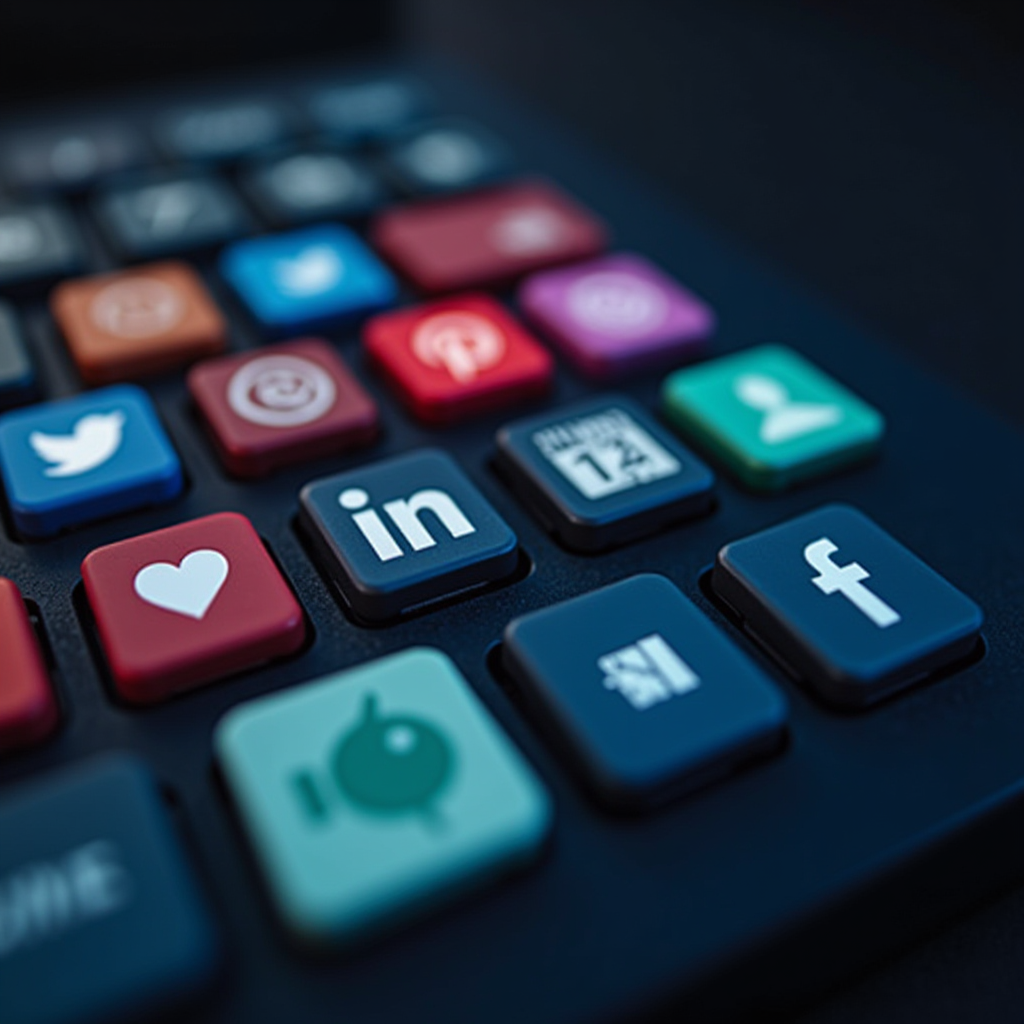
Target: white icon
404	513
281	391
168	208
647	672
446	157
313	180
42	899
314	270
21	238
612	302
605	453
186	589
846	579
528	230
137	307
94	439
784	419
462	343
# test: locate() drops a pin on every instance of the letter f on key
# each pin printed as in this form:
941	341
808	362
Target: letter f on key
846	579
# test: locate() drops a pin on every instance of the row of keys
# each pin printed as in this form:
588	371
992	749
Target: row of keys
390	787
597	474
513	229
193	603
74	157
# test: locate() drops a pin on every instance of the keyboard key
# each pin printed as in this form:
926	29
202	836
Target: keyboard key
28	706
490	238
616	314
17	375
373	539
69	462
458	357
446	156
313	185
135	322
847	606
602	472
183	606
307	278
71	158
224	131
771	417
642	692
102	917
172	215
280	405
359	112
390	790
39	243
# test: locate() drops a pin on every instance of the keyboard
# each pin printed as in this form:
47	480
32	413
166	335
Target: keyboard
440	580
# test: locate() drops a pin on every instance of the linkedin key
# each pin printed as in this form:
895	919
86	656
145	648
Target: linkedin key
404	532
99	915
855	613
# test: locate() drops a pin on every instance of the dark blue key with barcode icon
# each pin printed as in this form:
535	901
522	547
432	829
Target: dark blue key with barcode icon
647	698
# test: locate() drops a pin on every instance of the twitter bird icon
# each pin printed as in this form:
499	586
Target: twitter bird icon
79	459
93	440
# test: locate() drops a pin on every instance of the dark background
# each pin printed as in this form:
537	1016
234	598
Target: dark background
871	151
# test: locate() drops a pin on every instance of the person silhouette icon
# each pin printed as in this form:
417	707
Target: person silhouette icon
784	420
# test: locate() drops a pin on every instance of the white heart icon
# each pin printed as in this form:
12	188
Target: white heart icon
188	588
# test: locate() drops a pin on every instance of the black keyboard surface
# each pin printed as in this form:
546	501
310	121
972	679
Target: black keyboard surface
732	888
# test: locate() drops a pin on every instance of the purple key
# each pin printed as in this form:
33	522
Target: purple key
617	313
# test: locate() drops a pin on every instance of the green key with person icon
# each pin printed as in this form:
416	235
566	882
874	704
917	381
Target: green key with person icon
771	416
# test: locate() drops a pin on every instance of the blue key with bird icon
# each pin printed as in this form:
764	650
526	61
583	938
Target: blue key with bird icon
75	460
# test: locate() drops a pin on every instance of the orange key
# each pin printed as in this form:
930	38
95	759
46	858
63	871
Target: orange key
28	707
120	326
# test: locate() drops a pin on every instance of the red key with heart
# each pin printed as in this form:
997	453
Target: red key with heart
189	604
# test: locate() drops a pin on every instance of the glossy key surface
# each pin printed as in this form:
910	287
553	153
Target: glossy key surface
308	278
169	215
39	243
402	532
28	705
458	357
489	238
643	693
102	916
131	323
602	472
617	314
846	604
281	405
375	794
189	604
71	461
771	416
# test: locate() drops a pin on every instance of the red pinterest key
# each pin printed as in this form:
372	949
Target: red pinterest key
489	238
189	604
28	707
458	357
